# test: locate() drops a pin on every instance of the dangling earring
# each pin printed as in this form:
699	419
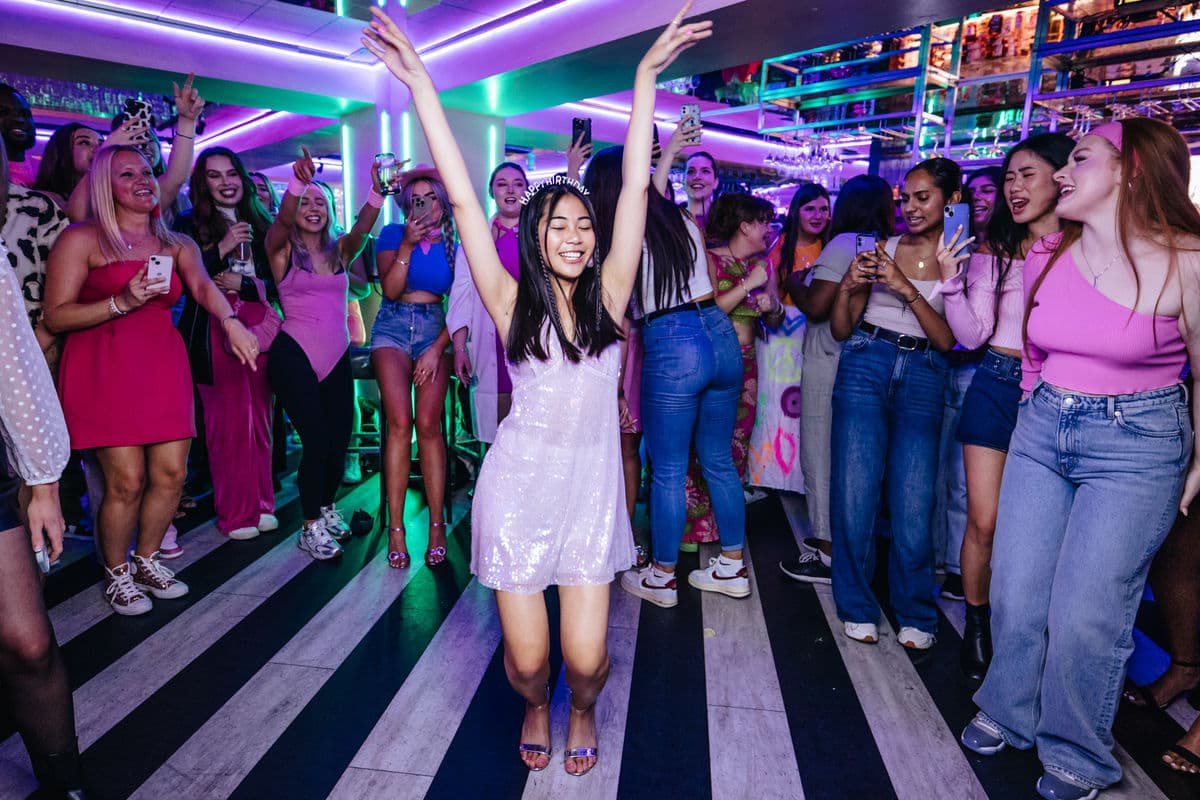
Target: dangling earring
591	262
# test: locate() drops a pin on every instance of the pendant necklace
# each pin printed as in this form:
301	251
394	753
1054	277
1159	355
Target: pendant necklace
1096	276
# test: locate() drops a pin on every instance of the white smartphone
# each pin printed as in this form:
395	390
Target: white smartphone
158	270
954	216
864	242
689	116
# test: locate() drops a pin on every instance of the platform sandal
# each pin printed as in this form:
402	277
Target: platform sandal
435	555
398	559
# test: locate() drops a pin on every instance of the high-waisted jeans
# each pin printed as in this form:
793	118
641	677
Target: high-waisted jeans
887	420
691	381
1090	490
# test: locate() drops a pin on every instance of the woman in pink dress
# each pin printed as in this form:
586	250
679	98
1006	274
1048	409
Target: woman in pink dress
549	503
124	380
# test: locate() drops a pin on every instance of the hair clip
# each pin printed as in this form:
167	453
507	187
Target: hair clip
557	180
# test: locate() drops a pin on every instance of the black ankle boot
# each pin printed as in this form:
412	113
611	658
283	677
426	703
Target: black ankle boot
59	775
976	651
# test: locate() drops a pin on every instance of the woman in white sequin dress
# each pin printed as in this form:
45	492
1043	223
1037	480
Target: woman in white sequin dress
549	505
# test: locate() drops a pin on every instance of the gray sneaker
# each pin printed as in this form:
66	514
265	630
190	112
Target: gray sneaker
316	541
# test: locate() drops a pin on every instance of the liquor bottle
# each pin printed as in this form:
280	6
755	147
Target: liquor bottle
970	44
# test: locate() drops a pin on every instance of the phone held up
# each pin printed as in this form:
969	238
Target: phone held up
689	116
158	270
581	131
954	216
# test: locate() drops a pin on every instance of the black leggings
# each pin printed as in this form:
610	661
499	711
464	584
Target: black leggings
322	412
32	674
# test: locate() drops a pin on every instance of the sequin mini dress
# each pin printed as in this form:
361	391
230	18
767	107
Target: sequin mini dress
549	504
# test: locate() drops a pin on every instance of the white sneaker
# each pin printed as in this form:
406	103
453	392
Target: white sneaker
242	534
268	522
866	632
652	585
124	597
316	541
335	526
915	638
753	494
151	576
724	576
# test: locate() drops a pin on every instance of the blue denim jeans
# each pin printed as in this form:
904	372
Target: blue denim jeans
691	382
1090	489
888	405
950	502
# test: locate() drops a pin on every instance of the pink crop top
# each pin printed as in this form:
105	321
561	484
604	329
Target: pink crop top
971	304
1081	340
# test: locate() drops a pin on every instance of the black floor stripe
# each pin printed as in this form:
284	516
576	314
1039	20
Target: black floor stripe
482	759
308	759
131	751
1009	774
666	732
824	716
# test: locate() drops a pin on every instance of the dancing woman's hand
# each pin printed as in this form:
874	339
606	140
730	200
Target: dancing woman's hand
676	38
389	44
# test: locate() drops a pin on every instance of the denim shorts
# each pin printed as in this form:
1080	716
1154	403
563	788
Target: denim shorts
409	327
989	410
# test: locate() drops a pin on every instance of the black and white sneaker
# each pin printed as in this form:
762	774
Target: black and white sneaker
810	567
316	541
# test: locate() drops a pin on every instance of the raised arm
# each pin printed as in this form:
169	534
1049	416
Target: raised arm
629	224
188	105
352	243
278	238
662	170
496	287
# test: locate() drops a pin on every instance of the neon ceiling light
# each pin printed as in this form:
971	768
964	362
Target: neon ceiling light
245	126
116	14
516	16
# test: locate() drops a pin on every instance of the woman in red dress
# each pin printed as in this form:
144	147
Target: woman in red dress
124	380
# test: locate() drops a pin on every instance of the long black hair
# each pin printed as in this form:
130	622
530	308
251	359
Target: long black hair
57	173
805	194
672	249
210	224
536	293
864	205
946	174
1005	235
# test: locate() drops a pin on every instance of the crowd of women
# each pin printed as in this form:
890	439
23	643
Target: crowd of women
1006	395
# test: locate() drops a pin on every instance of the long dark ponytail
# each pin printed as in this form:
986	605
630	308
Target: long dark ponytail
672	249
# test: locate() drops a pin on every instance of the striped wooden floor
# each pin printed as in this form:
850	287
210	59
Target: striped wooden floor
278	677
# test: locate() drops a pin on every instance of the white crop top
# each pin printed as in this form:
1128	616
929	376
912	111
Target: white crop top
886	309
699	284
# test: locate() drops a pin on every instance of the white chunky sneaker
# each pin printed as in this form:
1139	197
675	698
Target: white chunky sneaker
723	575
866	632
316	541
335	526
242	534
124	597
151	576
652	585
915	638
268	522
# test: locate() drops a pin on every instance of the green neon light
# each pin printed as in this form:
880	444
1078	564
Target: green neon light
347	167
385	146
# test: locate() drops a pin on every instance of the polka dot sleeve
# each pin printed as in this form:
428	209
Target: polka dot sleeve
31	420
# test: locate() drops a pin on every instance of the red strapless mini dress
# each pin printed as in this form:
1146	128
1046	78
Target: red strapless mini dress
126	382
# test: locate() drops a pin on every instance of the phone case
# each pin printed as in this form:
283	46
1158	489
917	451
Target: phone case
581	125
689	115
952	217
159	268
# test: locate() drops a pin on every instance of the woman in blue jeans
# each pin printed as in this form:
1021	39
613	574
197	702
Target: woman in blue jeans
691	382
1098	461
887	413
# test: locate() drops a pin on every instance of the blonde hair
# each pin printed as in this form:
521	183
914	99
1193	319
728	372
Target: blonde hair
104	207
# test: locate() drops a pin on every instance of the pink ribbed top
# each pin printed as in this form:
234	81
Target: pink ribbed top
1081	340
971	308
